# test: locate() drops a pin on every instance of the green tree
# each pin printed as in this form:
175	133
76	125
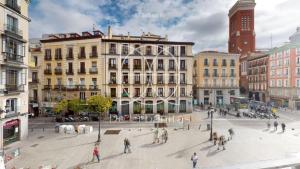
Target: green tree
100	105
76	105
61	107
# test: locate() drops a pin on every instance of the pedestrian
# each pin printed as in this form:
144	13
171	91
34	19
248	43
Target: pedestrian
231	133
126	146
228	109
215	138
156	136
275	125
194	159
96	154
208	113
165	135
283	127
221	142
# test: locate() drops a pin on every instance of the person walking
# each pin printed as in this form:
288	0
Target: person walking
221	143
126	146
208	114
215	138
283	127
96	154
231	133
194	159
275	125
156	136
165	136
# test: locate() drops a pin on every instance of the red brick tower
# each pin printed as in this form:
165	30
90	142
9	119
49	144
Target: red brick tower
242	36
241	27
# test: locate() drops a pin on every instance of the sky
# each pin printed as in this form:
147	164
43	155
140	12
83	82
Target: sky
204	22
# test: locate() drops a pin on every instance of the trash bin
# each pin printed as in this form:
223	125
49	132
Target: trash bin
208	126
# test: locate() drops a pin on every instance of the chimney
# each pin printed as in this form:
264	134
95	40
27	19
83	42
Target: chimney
109	32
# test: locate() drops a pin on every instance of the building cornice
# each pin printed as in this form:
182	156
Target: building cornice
244	5
147	41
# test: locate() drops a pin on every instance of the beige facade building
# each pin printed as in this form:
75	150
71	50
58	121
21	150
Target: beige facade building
142	74
13	71
216	77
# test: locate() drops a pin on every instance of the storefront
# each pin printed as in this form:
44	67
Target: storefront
11	131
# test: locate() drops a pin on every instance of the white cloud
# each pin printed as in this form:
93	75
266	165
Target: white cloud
204	22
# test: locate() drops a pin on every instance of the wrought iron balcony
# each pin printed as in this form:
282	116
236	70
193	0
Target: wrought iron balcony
81	71
11	57
81	56
94	55
48	57
10	88
93	70
70	56
48	72
13	29
93	87
69	72
58	71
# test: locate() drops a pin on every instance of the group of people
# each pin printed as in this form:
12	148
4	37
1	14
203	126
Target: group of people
276	125
221	141
223	112
160	134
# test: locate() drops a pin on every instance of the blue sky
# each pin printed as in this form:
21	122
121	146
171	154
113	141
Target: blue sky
204	22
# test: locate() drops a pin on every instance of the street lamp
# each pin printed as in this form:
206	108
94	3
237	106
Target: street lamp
211	124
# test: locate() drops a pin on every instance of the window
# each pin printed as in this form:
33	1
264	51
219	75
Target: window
298	82
160	92
82	52
160	64
48	53
125	92
160	50
215	63
182	51
136	78
182	107
113	78
11	105
125	49
149	92
171	92
137	64
148	50
206	72
298	71
232	62
112	49
171	65
182	92
137	92
125	78
160	79
137	50
70	53
94	81
206	92
232	73
182	78
223	72
58	81
58	53
171	78
82	81
113	92
298	60
231	82
112	63
172	50
148	64
149	78
206	62
94	51
12	24
82	95
93	93
125	64
215	73
224	62
182	65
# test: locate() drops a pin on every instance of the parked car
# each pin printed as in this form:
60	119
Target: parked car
94	116
126	117
59	119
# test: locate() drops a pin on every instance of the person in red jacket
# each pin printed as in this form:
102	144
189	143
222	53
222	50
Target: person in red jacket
96	154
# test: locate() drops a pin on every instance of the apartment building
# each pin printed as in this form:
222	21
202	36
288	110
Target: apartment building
71	66
147	74
216	77
34	76
13	71
284	73
258	76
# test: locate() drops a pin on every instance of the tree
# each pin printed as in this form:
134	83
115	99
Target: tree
76	105
61	107
100	105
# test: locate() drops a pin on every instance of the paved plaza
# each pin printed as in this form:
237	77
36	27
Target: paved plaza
253	146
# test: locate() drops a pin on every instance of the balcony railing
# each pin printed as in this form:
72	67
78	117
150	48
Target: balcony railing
172	82
94	55
112	67
81	56
70	56
160	68
182	82
47	71
59	87
112	51
14	88
137	67
148	94
13	5
183	68
171	68
58	71
47	87
10	57
112	82
81	87
93	87
48	57
81	71
160	82
34	81
93	70
58	57
70	72
137	82
13	29
125	66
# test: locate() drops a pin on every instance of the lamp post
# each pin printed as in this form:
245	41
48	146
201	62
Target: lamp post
211	124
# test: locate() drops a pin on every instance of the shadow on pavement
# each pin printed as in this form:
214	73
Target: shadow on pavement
151	145
213	152
177	153
111	157
207	147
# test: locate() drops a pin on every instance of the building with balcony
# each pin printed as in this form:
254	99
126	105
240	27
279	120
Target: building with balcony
284	73
147	74
13	71
216	77
71	67
258	76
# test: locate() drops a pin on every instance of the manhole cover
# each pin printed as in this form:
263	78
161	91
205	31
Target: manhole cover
112	131
34	145
40	137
